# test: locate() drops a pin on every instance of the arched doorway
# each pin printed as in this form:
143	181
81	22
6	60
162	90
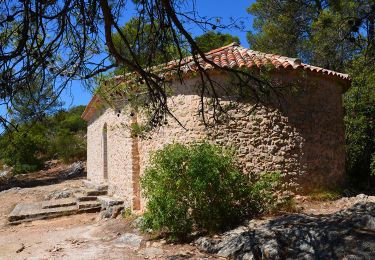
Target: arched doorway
105	152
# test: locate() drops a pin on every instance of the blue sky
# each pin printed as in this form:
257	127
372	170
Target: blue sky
77	95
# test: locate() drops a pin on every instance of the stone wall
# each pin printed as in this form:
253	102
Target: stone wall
119	153
303	138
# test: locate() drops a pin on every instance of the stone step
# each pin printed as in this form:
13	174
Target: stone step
89	205
83	197
95	192
59	203
107	201
33	211
95	186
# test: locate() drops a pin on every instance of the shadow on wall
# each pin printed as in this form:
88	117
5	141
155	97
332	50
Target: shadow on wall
301	131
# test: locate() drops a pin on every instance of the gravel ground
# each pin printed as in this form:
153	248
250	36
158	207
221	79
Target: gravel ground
85	236
81	236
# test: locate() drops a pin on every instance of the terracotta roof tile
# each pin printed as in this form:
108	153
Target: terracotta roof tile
236	56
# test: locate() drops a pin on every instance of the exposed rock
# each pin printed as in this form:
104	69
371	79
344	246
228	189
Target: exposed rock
248	256
151	252
370	222
50	164
335	236
361	197
136	223
5	174
76	170
20	249
105	214
159	243
108	201
111	212
56	248
96	186
60	194
129	240
15	189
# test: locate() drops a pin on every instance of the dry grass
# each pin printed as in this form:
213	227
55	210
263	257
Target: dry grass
325	195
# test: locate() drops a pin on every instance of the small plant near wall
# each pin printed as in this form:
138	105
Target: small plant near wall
325	194
199	187
139	130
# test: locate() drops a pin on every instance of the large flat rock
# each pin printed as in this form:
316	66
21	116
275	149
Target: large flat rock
129	240
346	234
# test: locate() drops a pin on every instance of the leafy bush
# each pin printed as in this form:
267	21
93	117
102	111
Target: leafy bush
25	168
199	187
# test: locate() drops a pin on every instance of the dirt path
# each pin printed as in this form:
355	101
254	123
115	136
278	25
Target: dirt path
85	237
76	237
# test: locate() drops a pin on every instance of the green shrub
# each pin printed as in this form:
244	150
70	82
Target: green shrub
263	195
325	195
199	187
139	130
25	168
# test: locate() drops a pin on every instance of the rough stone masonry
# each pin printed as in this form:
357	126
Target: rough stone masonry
302	137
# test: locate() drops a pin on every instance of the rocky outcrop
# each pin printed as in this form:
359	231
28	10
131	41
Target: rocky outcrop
76	170
347	234
47	176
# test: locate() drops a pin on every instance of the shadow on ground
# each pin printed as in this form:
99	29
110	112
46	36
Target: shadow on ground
347	234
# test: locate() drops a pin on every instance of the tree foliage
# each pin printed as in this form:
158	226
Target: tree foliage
323	33
58	41
213	40
147	52
142	48
337	35
58	136
359	103
33	103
